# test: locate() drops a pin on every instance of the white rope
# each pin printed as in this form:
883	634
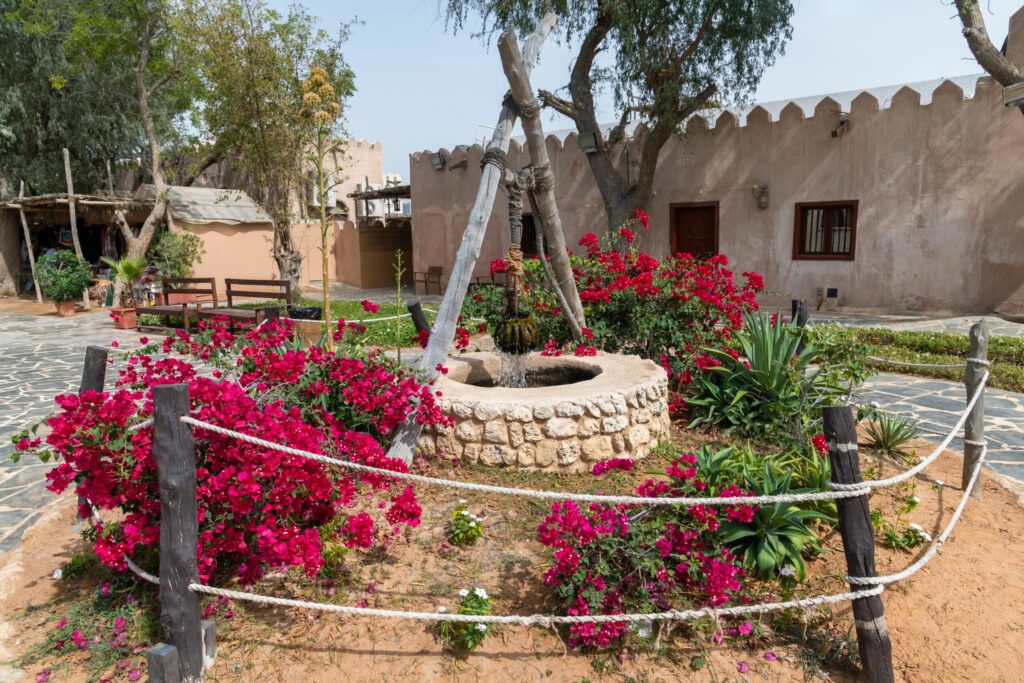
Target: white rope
887	361
878	483
530	493
546	620
140	572
935	547
140	425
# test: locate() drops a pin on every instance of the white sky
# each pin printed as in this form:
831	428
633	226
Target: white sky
423	88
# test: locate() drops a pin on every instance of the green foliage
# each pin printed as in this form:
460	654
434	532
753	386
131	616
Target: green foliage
770	388
63	276
779	534
465	528
1005	353
174	253
467	636
892	433
690	44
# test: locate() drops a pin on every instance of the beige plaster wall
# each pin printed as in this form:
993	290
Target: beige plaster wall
941	211
245	251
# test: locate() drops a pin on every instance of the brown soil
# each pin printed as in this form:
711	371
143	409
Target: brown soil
962	618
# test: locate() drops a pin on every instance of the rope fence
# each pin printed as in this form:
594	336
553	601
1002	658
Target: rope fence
173	448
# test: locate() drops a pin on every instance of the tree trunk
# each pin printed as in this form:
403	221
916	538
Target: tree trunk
991	59
544	182
469	250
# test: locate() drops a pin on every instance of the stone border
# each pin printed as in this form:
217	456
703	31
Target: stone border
621	412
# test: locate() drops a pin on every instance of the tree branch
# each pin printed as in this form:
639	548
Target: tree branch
988	56
553	101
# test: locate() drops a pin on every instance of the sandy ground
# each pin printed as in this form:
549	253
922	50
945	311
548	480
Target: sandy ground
960	619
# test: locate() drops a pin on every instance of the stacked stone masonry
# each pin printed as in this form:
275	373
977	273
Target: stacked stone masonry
558	428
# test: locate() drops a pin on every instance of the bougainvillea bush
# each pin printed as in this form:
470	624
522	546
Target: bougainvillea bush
617	559
258	508
666	309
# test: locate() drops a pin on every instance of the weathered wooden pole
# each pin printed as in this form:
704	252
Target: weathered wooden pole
469	249
974	429
419	319
28	243
544	183
858	545
800	320
74	218
174	452
94	374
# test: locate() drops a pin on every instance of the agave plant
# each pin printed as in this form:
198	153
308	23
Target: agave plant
892	433
127	271
779	534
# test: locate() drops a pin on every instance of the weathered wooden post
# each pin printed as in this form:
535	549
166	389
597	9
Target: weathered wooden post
174	452
418	317
28	243
858	545
974	429
94	373
73	219
799	319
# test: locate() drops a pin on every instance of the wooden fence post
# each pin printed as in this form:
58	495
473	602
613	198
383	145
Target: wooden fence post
858	545
94	373
418	317
173	450
974	429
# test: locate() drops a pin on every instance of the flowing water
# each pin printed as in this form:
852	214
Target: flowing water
513	370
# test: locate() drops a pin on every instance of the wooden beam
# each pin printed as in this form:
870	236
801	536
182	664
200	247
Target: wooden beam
74	219
28	247
469	249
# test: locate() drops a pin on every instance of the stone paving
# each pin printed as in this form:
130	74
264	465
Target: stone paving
921	323
40	357
937	405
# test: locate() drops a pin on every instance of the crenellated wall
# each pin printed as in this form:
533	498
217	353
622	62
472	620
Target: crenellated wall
940	189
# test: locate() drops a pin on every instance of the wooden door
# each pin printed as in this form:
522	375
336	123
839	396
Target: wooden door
694	229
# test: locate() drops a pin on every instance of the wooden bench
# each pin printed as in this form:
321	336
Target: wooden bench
279	290
178	288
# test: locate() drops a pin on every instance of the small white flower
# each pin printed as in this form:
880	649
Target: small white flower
481	627
939	482
480	593
463	592
462	501
58	573
442	610
916	527
927	536
472	524
788	571
915	499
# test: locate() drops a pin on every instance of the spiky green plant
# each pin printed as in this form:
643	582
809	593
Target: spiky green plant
892	433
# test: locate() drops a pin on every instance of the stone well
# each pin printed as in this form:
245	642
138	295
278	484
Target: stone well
581	410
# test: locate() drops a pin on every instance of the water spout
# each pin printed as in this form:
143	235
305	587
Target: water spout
513	369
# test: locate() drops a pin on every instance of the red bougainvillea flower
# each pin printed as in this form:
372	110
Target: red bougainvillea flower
369	306
820	445
499	265
642	218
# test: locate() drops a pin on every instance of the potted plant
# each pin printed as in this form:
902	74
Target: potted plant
63	277
125	272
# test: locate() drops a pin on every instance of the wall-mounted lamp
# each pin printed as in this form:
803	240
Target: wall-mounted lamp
437	161
588	142
843	125
761	195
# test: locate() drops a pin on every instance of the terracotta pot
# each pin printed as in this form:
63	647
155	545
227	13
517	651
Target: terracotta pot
124	318
65	308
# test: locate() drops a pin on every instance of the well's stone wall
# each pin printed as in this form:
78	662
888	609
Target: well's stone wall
622	411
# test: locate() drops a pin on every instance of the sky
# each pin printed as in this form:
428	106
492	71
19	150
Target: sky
422	88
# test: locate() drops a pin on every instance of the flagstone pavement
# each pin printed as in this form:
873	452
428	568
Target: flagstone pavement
41	356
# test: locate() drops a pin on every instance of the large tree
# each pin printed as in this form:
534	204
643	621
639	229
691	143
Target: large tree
991	59
142	49
255	61
672	58
46	105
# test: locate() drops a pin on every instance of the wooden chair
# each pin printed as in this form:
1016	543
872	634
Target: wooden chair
432	276
278	290
181	298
